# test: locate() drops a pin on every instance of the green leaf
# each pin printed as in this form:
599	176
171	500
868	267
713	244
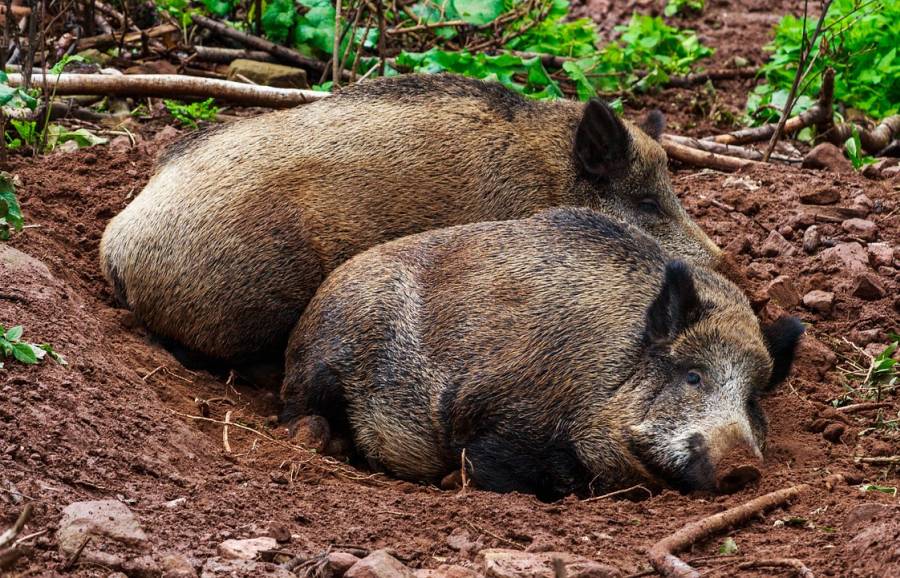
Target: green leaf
728	547
48	349
25	353
278	19
14	333
478	12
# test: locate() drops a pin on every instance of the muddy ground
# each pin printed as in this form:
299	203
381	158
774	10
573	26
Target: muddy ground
116	422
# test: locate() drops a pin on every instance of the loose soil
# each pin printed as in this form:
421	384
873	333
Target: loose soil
115	423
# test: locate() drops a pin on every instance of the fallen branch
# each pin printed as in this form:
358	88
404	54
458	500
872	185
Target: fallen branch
873	141
880	461
227	55
798	566
705	159
282	53
727	150
866	406
818	114
103	41
173	86
662	554
9	535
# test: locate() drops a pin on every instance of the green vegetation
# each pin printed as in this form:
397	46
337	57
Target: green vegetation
10	212
188	114
860	41
683	7
873	378
11	345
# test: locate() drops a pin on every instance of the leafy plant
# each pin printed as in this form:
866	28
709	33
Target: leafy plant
11	345
189	114
892	490
728	547
871	380
855	151
860	42
10	212
674	7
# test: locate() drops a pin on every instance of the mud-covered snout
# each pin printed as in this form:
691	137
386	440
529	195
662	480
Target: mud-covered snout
725	460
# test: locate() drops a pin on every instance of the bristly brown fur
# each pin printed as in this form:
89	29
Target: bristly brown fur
238	226
552	349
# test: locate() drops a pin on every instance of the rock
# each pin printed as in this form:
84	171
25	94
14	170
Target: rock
786	231
775	245
102	520
861	516
876	169
827	196
499	563
142	567
281	533
880	254
875	551
313	432
246	549
862	202
834	432
782	290
738	245
809	214
869	287
166	134
220	568
379	564
827	156
862	228
461	541
760	270
268	73
340	562
176	566
850	256
812	238
120	143
820	301
447	571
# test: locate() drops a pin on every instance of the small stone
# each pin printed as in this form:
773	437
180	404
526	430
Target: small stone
591	570
379	564
267	74
447	571
223	568
109	519
827	156
760	270
500	563
782	290
313	432
869	287
850	256
826	196
775	245
812	238
834	432
880	254
176	566
862	202
862	228
786	231
120	143
340	562
166	134
461	541
738	245
246	549
281	533
818	300
876	169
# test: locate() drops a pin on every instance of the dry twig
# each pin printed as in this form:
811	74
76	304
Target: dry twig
727	150
798	566
9	535
700	158
663	554
865	406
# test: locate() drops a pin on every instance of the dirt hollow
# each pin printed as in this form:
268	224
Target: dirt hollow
114	423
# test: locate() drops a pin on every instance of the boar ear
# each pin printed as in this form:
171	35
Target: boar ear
676	306
602	143
654	124
782	338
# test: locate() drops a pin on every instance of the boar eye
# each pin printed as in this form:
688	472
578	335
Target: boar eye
693	378
649	206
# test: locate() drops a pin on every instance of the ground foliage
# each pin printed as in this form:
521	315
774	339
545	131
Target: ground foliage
860	42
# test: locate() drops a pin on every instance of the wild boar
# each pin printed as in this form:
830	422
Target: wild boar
240	224
561	351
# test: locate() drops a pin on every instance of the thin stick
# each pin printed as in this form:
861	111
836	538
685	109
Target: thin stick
881	461
464	470
798	566
860	407
9	535
76	554
225	432
727	150
662	554
335	53
801	67
699	158
175	86
618	493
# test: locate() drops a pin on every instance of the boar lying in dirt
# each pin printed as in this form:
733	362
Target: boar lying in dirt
562	351
240	224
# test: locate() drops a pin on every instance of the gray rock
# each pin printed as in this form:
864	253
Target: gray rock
820	301
782	290
379	564
500	563
176	566
869	287
850	256
340	562
246	549
106	520
861	228
222	568
880	254
775	245
829	157
268	74
812	238
827	196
